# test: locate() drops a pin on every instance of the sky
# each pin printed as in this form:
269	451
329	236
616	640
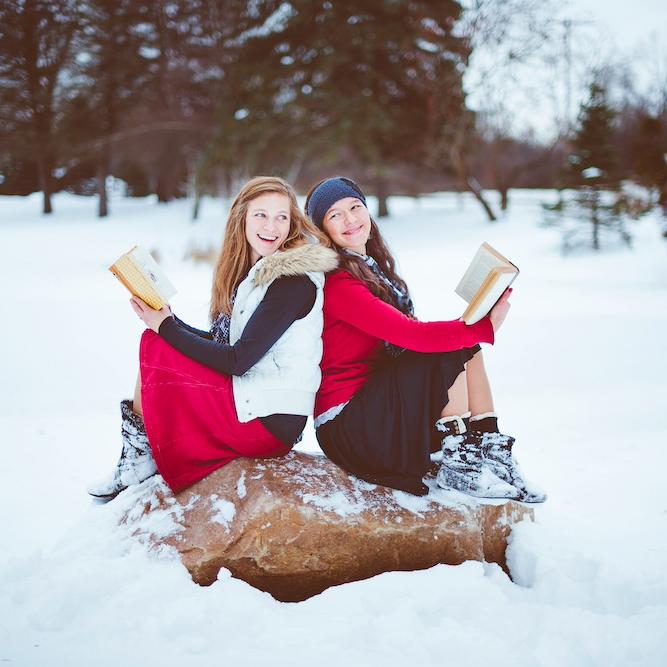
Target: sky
631	33
617	35
628	23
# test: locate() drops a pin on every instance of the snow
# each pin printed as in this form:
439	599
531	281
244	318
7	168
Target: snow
240	486
578	378
336	502
224	510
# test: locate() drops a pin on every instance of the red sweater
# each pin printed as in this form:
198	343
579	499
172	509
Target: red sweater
356	323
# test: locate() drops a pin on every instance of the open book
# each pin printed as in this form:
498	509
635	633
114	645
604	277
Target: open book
484	282
143	277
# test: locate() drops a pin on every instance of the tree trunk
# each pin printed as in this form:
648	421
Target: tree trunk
164	191
193	189
504	197
595	221
101	180
381	194
196	205
473	185
502	180
470	182
47	208
45	185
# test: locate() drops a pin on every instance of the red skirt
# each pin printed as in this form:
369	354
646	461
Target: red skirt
190	416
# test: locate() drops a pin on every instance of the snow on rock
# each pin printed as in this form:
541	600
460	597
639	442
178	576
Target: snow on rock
240	486
224	510
304	525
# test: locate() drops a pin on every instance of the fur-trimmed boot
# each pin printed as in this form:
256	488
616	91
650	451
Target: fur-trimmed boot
462	466
497	451
136	462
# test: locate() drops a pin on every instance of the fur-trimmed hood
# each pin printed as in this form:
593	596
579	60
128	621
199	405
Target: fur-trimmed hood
296	262
286	378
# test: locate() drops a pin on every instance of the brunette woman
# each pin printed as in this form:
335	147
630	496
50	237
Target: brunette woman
395	389
246	387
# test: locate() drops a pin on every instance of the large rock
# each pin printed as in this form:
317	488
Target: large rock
297	525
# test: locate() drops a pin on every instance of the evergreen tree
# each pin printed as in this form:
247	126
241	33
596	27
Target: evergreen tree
35	46
649	155
355	79
593	158
592	166
113	55
186	73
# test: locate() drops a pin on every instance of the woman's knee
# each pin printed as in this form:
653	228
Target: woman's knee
457	395
136	405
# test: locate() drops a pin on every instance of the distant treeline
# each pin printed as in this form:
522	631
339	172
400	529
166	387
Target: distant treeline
192	97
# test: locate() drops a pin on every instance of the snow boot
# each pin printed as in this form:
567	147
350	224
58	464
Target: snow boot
462	466
136	462
497	451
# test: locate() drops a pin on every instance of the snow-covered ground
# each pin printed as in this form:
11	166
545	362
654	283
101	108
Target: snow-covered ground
579	376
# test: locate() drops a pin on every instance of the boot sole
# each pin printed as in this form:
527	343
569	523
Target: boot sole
113	494
525	496
106	496
460	482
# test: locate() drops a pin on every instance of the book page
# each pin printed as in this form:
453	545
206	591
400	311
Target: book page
153	273
481	265
497	283
135	281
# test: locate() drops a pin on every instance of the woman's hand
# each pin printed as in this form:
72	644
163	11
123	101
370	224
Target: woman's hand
152	318
499	311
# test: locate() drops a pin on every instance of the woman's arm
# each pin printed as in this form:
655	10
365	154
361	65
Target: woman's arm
349	299
287	300
200	332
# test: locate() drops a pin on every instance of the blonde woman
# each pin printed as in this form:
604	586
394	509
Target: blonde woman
244	388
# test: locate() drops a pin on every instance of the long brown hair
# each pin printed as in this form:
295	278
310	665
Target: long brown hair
377	248
235	261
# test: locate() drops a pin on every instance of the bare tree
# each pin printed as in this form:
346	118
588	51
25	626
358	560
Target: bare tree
531	61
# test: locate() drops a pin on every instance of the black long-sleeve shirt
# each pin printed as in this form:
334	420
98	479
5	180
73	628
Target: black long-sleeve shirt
287	299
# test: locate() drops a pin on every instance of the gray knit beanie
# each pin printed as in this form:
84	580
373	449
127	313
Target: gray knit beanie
327	193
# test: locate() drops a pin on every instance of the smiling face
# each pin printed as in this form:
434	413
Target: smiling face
267	224
348	224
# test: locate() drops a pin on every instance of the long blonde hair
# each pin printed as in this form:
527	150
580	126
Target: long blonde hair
234	260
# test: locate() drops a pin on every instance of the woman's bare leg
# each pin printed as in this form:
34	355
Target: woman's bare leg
480	398
458	398
136	405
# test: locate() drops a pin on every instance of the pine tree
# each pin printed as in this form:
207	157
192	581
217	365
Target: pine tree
593	157
113	71
592	168
354	79
649	151
35	46
185	85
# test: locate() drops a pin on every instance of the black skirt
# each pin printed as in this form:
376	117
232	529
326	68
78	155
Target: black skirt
386	433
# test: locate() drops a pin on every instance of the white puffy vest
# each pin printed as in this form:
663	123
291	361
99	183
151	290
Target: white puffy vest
286	379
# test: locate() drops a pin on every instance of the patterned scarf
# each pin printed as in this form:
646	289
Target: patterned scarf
220	327
220	332
402	300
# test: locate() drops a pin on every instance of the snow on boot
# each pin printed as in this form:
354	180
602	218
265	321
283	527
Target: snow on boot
462	466
498	456
136	462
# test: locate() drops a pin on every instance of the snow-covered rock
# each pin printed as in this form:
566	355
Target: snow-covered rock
298	525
